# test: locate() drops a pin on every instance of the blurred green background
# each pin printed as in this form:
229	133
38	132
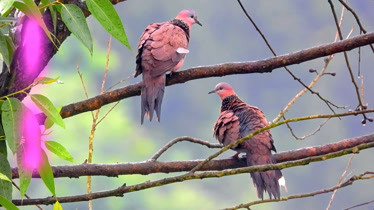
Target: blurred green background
226	36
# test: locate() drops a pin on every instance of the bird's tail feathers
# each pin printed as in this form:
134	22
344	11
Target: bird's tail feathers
268	181
151	96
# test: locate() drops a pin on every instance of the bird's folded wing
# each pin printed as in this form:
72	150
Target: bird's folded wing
226	129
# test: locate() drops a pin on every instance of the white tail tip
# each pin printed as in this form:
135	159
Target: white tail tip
182	50
282	183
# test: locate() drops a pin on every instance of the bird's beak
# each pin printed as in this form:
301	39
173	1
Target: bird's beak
213	91
198	22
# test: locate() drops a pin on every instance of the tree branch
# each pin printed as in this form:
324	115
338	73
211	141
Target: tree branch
261	66
189	176
149	167
362	176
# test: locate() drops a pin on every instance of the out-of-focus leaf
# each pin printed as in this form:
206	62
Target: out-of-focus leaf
48	108
45	172
107	16
7	204
5	5
6	172
3	177
74	19
4	49
11	119
46	80
57	206
32	11
24	173
52	10
59	150
48	122
10	46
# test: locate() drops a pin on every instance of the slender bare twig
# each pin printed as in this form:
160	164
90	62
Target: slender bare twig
106	114
357	19
95	120
360	105
28	197
180	139
327	102
82	82
308	135
340	181
349	182
119	82
358	205
315	80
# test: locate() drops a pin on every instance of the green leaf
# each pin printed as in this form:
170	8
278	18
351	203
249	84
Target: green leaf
74	19
57	206
3	150
46	80
10	46
11	119
24	173
59	150
5	184
7	204
45	172
48	108
5	5
32	11
107	16
4	177
4	49
48	122
52	10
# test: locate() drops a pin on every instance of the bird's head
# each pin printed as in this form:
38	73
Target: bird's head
223	90
189	17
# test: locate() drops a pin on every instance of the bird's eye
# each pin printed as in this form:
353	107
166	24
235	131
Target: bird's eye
221	88
191	16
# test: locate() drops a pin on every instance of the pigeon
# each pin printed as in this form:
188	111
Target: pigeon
237	120
162	48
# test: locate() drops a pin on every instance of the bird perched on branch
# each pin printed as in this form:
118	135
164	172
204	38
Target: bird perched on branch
237	120
162	48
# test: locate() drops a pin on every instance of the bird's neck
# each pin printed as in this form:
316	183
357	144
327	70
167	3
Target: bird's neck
181	24
230	102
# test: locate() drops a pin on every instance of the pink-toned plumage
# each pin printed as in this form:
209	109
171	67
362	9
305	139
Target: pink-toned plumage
162	48
237	120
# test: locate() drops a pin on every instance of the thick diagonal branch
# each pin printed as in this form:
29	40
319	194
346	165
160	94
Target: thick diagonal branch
261	66
189	176
149	167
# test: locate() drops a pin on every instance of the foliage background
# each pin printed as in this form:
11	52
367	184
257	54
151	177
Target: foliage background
188	110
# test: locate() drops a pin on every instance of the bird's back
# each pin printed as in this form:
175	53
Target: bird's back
157	48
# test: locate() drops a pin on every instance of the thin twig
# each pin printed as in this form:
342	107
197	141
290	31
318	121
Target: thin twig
357	19
95	119
360	106
345	184
28	197
106	114
358	205
83	84
308	135
119	82
319	75
340	181
327	102
180	139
